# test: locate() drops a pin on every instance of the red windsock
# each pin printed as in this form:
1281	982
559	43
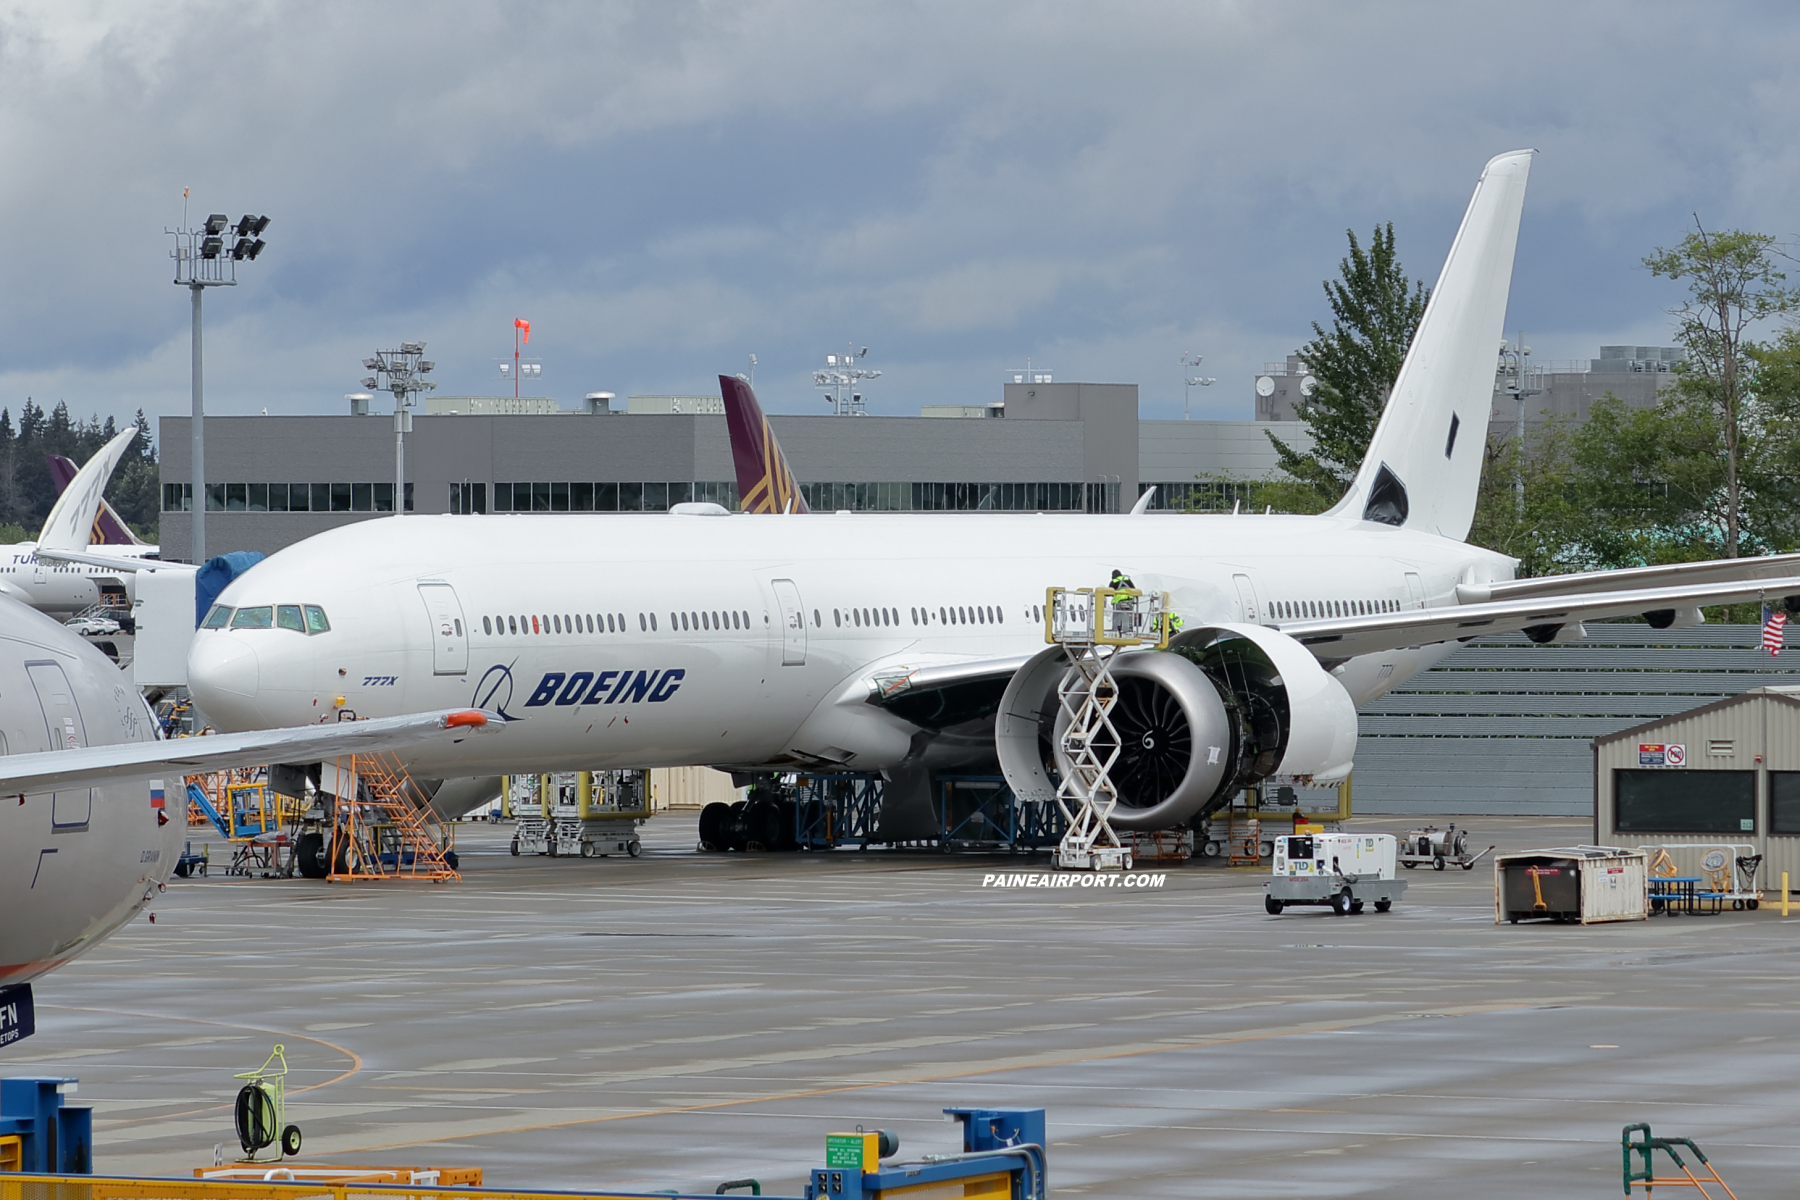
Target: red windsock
521	324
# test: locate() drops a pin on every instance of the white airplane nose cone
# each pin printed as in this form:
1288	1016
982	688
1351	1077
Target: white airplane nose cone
223	677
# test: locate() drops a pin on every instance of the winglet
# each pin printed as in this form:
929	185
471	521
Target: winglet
110	528
765	482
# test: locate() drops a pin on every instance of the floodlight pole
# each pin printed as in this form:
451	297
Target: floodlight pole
197	437
203	260
400	372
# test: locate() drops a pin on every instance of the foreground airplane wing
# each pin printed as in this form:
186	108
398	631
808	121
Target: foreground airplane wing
1541	617
942	694
1717	570
85	767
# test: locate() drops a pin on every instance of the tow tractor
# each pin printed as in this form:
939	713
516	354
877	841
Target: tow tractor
1340	871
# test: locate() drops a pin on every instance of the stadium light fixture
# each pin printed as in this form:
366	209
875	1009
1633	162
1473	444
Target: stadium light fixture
202	261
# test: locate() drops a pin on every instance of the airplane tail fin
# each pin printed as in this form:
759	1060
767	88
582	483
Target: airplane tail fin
765	482
1423	466
110	528
71	520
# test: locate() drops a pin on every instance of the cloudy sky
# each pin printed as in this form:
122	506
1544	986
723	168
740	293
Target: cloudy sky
664	188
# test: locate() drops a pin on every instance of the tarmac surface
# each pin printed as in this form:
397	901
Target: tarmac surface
681	1019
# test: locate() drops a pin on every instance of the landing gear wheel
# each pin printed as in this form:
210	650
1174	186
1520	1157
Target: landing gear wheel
713	821
290	1141
515	847
1383	905
1342	903
635	848
182	870
309	855
1437	864
1272	905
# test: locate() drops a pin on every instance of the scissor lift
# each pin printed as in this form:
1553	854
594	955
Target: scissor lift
1092	625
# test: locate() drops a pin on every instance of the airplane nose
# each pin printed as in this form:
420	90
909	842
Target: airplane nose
223	678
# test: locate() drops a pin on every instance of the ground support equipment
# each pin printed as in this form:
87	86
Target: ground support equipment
1339	871
39	1133
1092	625
1637	1139
582	814
1438	848
835	810
979	812
192	861
1722	873
1236	835
261	1110
1161	845
379	832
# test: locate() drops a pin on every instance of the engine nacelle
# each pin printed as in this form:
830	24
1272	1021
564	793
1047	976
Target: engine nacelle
1223	708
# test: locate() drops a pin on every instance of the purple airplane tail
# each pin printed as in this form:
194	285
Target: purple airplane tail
764	480
109	528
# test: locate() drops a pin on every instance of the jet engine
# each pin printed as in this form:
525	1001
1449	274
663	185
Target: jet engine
1222	708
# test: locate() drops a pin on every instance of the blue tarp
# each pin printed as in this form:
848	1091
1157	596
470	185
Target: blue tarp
216	575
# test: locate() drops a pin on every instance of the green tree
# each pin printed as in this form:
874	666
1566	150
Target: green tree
1375	311
1732	285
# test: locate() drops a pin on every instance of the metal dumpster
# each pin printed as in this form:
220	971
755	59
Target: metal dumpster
1580	884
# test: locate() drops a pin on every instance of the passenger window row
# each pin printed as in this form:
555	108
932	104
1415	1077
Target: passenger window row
1319	610
861	618
301	618
598	623
960	614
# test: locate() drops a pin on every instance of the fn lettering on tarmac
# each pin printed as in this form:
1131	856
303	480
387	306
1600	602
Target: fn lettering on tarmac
1023	879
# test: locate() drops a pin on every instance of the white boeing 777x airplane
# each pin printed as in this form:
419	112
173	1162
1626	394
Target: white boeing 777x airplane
903	643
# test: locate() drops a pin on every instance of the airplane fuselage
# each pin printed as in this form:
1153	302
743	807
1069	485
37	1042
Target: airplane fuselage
59	587
639	641
75	863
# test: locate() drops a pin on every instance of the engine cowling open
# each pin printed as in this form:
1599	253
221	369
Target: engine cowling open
1224	707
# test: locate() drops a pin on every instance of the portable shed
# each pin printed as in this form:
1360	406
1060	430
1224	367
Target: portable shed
1724	773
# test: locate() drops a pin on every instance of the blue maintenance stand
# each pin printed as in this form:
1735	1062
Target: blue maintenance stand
38	1134
1003	1148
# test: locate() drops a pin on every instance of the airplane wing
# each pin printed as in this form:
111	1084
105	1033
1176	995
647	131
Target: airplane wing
118	562
1540	617
942	694
1717	570
85	767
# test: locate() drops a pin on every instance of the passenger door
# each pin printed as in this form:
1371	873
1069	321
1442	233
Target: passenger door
793	623
1415	587
71	808
1246	591
449	638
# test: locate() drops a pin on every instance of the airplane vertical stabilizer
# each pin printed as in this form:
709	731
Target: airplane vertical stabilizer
71	520
110	528
1424	464
765	482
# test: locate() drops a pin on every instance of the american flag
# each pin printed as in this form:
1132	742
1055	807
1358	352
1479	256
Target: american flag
1773	626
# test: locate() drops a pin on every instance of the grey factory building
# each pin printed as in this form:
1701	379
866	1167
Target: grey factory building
1059	447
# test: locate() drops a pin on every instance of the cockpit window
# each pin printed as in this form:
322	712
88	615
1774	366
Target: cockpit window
259	617
287	616
315	620
217	618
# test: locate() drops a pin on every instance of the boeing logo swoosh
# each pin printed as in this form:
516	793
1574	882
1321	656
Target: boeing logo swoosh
495	690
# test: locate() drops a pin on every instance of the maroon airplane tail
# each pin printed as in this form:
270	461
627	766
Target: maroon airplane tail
109	528
765	482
